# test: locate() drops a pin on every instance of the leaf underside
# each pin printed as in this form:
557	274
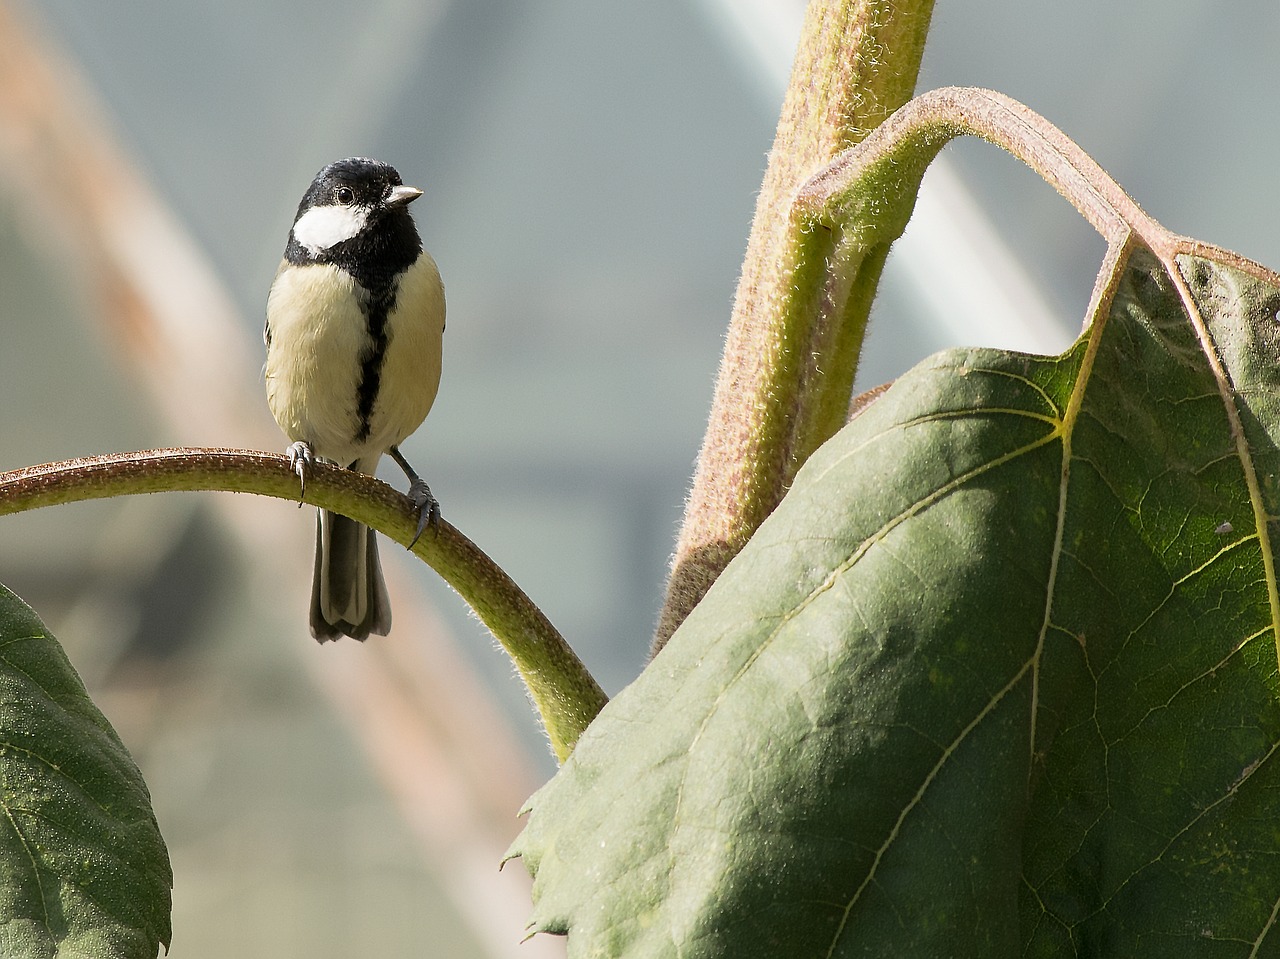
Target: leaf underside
997	678
83	870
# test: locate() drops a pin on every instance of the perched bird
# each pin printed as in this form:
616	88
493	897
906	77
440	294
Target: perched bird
355	319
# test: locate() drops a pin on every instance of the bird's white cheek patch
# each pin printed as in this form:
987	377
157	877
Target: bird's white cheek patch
322	227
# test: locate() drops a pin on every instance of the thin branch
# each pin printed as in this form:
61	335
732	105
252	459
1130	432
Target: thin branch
564	692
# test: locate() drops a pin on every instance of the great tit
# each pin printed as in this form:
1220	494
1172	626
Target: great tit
355	319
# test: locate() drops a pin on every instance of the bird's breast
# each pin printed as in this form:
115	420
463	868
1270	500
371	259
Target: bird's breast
410	369
333	383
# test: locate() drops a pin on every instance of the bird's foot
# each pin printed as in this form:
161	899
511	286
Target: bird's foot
428	508
420	493
300	458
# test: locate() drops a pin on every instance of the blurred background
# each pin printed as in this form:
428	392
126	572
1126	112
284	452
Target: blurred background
590	173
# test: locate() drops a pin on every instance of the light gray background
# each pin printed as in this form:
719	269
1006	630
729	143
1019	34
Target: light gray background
590	172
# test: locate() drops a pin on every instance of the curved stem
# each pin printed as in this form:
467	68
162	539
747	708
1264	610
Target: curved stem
564	692
869	191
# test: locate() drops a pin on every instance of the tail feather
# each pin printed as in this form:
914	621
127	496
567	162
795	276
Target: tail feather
348	595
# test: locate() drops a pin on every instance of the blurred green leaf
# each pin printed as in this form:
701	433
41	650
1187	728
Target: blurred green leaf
997	678
83	870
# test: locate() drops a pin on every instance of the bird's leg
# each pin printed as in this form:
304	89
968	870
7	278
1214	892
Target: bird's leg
420	493
300	457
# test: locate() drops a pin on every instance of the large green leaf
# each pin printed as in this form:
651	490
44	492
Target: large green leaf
997	678
83	870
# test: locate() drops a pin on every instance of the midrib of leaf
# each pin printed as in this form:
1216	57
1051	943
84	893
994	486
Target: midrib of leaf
1063	429
1261	522
1118	261
1056	430
1100	311
1227	393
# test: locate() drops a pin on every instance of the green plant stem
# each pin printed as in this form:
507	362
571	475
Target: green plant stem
789	363
865	196
563	691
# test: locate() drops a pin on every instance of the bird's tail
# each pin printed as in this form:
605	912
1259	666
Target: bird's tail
348	595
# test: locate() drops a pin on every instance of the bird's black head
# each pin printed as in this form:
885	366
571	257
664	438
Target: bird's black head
355	215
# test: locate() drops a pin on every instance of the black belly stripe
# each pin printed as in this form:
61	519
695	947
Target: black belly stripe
376	313
375	259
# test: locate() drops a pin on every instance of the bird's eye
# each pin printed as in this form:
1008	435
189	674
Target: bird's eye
344	194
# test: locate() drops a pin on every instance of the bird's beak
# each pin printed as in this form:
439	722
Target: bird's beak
402	196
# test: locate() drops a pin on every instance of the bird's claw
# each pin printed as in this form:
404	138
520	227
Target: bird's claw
300	458
420	494
428	508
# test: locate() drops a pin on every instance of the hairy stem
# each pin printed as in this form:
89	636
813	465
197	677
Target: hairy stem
565	694
789	361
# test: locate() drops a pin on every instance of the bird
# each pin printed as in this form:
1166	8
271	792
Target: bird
354	331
